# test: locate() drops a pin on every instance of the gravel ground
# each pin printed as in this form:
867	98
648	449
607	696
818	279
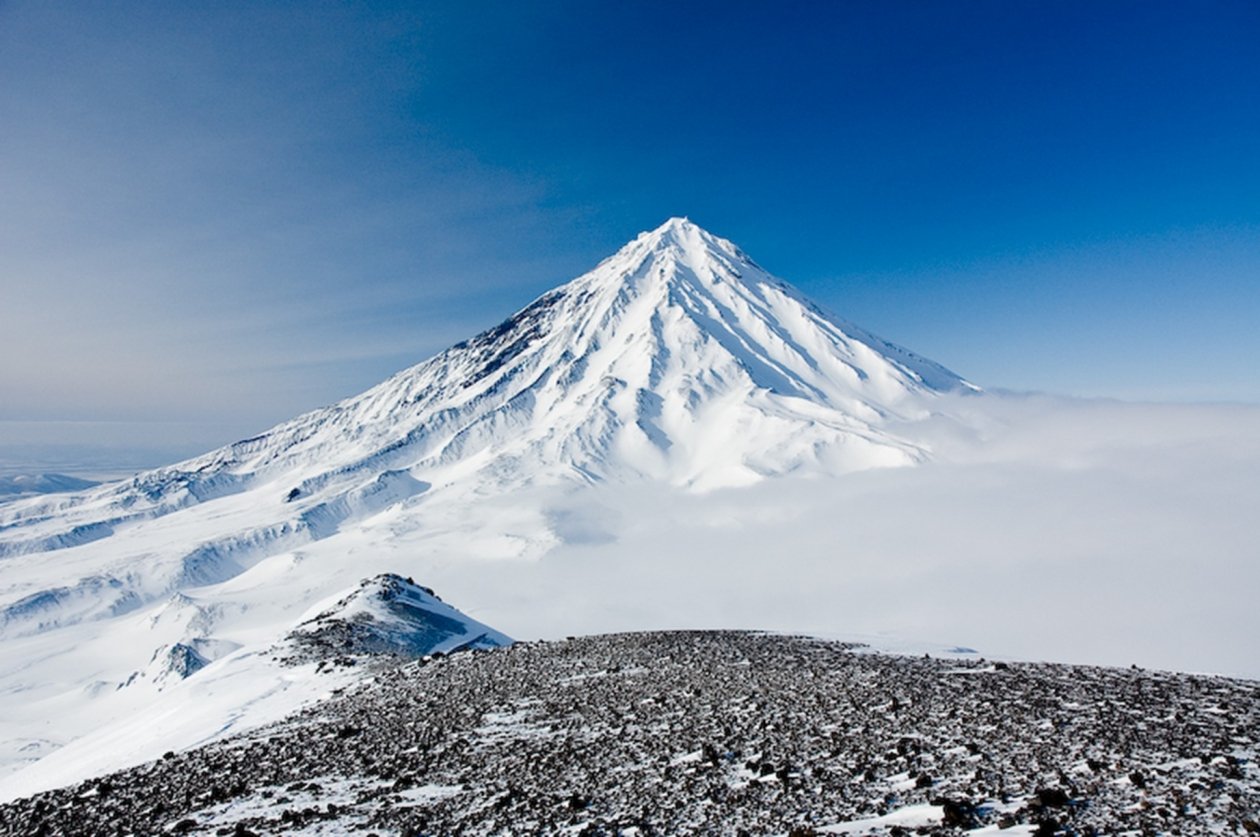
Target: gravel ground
707	733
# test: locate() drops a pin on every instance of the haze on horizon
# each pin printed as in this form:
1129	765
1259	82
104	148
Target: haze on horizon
217	218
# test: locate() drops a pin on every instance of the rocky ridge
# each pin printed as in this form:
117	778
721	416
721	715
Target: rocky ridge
708	733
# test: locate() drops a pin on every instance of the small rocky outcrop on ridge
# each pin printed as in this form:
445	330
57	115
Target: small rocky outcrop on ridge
393	616
708	733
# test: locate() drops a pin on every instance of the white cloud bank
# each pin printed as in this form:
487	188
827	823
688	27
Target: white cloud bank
1088	532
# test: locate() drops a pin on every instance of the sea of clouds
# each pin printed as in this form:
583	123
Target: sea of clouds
1066	530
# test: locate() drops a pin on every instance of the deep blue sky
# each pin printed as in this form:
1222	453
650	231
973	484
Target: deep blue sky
232	212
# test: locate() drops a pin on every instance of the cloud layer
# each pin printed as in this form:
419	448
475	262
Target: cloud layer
1086	532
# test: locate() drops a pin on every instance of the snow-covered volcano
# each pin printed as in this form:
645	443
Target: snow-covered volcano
676	361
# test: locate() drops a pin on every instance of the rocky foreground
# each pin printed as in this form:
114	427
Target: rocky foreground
710	733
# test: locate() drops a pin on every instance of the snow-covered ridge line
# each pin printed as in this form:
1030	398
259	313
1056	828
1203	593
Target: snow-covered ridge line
21	485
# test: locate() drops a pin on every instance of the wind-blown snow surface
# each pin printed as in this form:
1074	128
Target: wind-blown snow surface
602	461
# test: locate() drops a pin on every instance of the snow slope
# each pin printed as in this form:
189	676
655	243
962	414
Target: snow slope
257	685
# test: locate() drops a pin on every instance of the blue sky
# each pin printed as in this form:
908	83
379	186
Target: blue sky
228	213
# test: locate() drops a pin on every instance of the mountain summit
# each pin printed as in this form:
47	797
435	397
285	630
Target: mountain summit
677	360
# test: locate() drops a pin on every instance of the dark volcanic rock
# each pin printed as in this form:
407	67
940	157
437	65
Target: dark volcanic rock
706	732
